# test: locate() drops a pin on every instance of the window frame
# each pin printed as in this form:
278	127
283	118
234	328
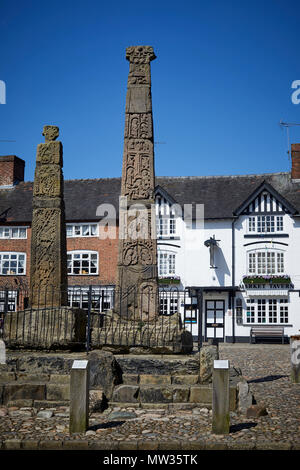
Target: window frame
168	305
80	259
265	261
274	310
10	260
170	263
166	226
254	222
10	229
80	227
102	298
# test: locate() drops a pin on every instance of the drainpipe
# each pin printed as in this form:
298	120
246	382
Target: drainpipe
233	279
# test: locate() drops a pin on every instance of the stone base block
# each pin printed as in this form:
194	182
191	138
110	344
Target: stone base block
6	377
163	335
130	379
58	392
59	379
26	402
50	403
155	379
185	379
126	394
181	393
31	378
156	394
203	394
16	391
46	328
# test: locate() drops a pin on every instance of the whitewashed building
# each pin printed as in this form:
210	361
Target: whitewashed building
242	264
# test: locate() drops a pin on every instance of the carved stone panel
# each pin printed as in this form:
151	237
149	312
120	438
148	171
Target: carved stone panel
139	74
138	126
48	181
50	152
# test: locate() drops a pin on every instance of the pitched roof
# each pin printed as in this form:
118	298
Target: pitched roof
221	195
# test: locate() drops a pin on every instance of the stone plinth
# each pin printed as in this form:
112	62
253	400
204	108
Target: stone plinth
47	328
165	335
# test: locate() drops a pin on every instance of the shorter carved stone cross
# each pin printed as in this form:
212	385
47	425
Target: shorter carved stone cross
48	267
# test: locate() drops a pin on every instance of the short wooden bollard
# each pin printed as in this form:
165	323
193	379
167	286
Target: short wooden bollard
220	402
295	359
79	397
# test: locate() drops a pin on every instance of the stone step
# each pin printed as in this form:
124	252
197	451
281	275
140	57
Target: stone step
160	406
145	379
159	365
21	390
168	393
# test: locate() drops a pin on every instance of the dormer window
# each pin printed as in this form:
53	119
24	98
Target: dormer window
265	223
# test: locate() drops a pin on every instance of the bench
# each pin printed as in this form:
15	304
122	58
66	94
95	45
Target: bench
267	332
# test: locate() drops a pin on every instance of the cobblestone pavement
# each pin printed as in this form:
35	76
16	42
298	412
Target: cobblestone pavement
266	367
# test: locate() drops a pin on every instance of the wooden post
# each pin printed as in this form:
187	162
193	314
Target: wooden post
295	359
79	397
220	403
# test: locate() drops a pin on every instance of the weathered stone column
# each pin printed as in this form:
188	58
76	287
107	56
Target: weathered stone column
137	287
295	359
220	403
48	264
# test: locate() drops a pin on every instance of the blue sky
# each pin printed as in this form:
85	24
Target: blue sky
220	84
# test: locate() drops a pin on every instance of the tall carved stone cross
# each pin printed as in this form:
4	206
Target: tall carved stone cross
137	287
48	263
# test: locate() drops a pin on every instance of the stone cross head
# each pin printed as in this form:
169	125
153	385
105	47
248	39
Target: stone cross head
51	133
140	54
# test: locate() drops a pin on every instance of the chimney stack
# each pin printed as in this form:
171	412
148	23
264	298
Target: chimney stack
11	170
295	162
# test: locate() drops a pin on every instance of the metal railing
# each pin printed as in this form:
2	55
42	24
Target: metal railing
91	317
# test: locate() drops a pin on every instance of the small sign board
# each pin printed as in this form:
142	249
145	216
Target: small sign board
79	364
221	364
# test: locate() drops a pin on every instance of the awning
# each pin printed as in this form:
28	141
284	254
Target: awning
267	292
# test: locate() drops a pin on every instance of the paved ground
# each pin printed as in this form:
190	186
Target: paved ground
266	367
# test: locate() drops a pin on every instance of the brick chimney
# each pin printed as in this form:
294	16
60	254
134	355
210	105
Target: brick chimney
295	162
11	170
